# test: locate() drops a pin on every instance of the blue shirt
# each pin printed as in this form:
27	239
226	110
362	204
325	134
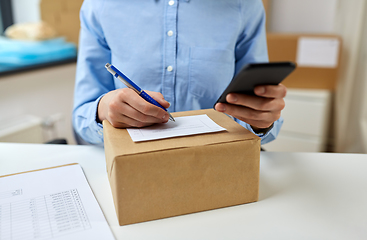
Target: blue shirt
188	50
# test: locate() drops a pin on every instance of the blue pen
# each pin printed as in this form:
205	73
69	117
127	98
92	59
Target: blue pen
130	84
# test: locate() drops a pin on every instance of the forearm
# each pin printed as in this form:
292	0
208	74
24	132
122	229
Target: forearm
85	124
92	80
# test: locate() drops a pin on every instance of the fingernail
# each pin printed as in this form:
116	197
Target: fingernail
169	104
232	98
260	90
220	107
164	117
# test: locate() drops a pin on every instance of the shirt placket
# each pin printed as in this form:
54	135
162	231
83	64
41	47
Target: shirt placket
170	46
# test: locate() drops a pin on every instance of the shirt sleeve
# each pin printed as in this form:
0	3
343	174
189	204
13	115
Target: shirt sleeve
92	79
251	47
268	136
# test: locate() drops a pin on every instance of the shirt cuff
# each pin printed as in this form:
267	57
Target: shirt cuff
86	125
94	124
269	135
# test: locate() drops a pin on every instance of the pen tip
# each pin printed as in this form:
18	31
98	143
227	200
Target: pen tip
171	118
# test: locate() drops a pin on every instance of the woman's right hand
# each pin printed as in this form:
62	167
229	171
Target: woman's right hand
125	108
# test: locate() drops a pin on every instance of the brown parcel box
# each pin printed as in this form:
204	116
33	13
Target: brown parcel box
63	16
283	47
170	177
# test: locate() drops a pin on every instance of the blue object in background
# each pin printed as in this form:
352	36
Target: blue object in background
16	54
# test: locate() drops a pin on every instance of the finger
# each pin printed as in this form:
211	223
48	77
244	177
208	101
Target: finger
271	91
159	98
260	119
145	108
124	121
256	103
123	113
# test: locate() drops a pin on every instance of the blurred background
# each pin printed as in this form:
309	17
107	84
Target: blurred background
326	105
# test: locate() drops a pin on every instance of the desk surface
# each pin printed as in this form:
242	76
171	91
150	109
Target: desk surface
302	196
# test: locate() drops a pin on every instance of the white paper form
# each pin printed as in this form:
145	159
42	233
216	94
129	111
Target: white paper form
318	52
183	126
55	203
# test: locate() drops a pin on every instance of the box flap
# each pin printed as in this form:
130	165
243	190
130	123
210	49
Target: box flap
122	144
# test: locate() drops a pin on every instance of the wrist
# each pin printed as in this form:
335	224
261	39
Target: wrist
262	130
99	115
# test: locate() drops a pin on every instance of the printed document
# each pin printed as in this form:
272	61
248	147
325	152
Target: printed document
55	203
183	126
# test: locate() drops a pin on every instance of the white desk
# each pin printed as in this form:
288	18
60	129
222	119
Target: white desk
302	196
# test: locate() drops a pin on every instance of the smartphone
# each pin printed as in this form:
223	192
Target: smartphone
254	74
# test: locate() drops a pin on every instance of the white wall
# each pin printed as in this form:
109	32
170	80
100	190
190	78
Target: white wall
43	93
302	16
26	11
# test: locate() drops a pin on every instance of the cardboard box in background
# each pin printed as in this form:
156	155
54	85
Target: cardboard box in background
63	16
175	176
322	74
267	7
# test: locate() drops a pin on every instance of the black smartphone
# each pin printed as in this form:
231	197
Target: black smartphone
254	74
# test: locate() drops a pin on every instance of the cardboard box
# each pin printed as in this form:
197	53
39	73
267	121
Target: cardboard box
63	16
265	3
285	47
170	177
267	6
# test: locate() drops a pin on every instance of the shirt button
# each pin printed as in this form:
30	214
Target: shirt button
169	68
170	33
171	3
